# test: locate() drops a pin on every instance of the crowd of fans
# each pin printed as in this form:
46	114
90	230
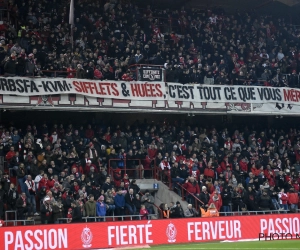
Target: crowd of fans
195	46
76	171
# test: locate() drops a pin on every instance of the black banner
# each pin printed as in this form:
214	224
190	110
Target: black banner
150	74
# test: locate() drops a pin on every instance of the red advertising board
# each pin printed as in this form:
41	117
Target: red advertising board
144	232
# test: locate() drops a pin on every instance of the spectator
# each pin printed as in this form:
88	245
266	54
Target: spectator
178	211
283	200
216	200
293	199
30	193
165	210
90	207
130	202
101	208
211	211
46	211
144	212
120	203
148	201
190	211
204	196
226	201
22	207
76	212
21	177
192	188
12	196
57	211
264	201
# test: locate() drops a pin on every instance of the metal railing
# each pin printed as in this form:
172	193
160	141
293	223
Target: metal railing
114	217
185	192
241	213
160	212
24	222
139	170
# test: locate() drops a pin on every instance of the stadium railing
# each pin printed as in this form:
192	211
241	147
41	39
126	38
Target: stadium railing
138	172
186	195
111	218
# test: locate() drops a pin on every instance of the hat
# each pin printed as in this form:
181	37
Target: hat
177	202
125	175
47	199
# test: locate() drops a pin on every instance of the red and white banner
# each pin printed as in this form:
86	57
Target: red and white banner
21	86
144	232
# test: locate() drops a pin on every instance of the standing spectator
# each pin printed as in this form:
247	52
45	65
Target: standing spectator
192	188
143	212
283	200
226	201
148	201
130	201
46	211
12	196
90	207
21	177
101	208
293	199
264	201
30	193
76	212
57	211
22	207
80	73
204	196
120	203
217	200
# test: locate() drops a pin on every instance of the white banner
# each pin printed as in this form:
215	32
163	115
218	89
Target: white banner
232	94
148	91
102	89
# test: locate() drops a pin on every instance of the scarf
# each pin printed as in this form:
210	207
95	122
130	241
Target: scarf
92	153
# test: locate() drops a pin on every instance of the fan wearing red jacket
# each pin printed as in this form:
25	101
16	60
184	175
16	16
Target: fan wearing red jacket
225	163
244	165
117	178
217	200
152	152
192	186
11	153
293	199
126	181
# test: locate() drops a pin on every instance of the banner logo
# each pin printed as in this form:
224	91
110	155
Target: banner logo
86	237
171	232
151	74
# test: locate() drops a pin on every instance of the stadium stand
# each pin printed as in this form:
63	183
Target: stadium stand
109	38
52	169
63	173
